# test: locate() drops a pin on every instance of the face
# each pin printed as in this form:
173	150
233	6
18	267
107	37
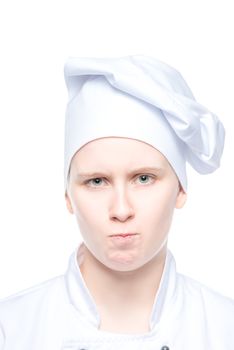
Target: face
123	186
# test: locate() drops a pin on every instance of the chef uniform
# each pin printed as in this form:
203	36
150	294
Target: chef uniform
141	98
61	314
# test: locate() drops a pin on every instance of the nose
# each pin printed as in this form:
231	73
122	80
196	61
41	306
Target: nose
121	208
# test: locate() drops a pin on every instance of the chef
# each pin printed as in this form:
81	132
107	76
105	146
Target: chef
132	124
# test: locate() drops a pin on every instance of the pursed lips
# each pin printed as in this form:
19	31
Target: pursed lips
123	234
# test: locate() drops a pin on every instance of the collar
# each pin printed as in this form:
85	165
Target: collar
83	301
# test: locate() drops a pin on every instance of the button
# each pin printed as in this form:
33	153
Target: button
165	348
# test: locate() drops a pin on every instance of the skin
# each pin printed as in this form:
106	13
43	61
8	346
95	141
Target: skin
118	199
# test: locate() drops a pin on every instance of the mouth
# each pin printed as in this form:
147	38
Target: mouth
123	235
124	240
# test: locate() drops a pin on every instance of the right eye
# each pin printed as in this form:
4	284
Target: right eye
96	181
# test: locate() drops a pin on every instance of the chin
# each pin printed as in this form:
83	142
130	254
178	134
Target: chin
124	263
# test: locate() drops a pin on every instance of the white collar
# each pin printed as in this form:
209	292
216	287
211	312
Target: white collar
83	301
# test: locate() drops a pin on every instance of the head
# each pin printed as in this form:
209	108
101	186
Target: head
123	185
124	114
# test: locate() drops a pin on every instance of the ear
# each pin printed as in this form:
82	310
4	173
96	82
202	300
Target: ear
181	198
68	203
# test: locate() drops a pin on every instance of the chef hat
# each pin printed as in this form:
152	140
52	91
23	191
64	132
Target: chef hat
141	98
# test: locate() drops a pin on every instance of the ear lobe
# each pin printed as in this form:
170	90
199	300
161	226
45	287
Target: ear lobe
68	203
181	198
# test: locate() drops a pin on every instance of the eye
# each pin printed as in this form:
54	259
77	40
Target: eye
144	178
96	181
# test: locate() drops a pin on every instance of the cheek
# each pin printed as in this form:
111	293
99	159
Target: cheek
157	207
87	210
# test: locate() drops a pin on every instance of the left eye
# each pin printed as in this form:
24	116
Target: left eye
144	178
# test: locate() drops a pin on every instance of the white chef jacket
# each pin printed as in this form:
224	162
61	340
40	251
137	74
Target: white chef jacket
60	314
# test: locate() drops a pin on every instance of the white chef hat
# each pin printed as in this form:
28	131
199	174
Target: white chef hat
141	98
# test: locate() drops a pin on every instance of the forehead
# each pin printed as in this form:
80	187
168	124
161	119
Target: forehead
110	151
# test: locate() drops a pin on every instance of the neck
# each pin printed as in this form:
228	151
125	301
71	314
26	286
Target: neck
131	291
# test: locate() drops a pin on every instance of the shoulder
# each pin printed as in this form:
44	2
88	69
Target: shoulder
197	288
29	314
40	288
26	302
217	309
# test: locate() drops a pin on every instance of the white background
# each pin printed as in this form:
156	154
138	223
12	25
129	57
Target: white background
37	234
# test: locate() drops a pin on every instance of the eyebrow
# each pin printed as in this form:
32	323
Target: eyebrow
101	173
